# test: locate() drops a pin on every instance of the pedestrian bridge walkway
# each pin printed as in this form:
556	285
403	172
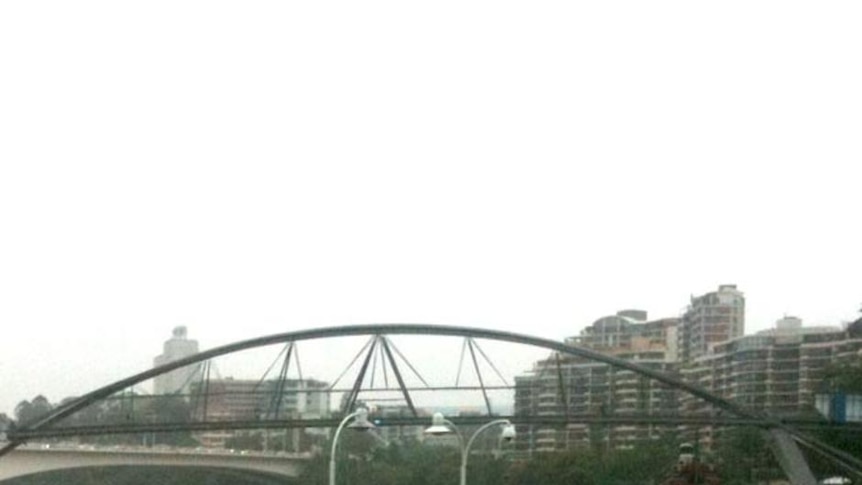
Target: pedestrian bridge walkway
37	458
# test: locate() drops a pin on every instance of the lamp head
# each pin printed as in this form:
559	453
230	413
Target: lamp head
361	422
438	425
508	434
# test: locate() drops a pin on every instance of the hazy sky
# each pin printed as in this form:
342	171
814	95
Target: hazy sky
246	168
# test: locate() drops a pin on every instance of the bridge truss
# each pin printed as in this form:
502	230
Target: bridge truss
380	372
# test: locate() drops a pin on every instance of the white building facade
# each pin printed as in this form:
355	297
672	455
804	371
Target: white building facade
179	346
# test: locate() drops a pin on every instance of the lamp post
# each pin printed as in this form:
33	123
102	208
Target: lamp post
440	425
360	423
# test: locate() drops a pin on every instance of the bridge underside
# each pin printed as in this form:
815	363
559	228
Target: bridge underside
148	475
60	463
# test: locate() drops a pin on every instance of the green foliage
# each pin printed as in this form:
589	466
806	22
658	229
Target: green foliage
28	412
840	377
645	463
413	463
409	463
172	409
554	468
848	441
744	456
131	408
844	377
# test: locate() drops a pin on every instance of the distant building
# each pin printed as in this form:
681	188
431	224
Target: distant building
179	346
566	384
392	434
251	400
711	318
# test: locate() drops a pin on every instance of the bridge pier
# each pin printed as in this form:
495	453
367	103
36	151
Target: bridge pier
790	457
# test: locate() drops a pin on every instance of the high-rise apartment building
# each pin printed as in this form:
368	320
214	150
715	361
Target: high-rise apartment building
711	318
777	370
179	346
566	384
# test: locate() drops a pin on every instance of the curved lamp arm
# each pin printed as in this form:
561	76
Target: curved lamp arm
457	433
359	412
465	453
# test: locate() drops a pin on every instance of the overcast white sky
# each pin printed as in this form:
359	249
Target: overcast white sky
247	168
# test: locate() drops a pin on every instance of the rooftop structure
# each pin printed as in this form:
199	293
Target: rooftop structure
628	334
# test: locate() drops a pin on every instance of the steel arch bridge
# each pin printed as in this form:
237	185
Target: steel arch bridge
380	345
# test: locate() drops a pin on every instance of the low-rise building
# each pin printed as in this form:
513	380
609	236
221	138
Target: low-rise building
252	400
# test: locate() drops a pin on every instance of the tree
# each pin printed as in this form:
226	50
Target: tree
554	468
361	459
5	422
173	410
24	412
416	463
28	412
744	456
845	377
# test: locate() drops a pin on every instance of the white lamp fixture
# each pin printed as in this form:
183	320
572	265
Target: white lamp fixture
439	425
361	422
508	434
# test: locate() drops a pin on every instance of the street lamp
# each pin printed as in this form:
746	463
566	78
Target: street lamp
360	423
440	425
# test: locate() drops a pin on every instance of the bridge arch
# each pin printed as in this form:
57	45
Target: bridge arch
437	330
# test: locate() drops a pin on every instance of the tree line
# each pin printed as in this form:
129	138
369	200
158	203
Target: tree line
363	460
128	408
